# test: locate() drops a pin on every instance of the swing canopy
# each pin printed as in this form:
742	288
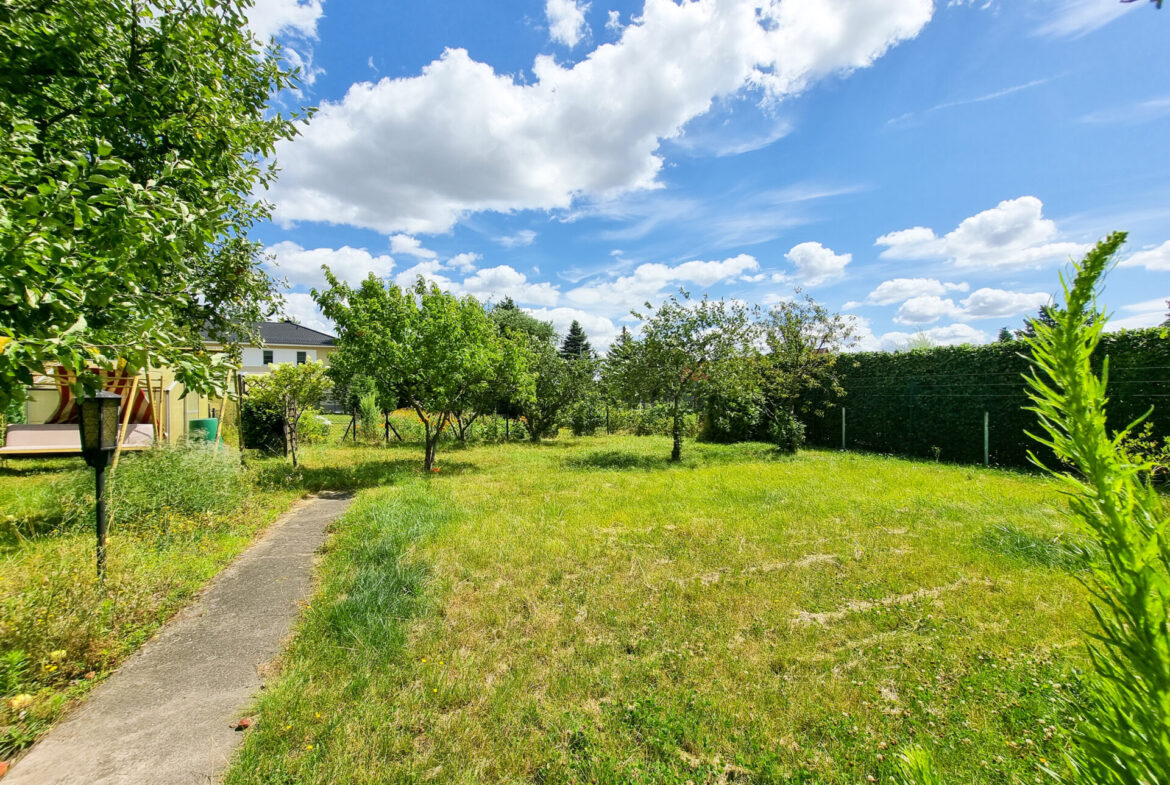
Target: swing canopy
59	435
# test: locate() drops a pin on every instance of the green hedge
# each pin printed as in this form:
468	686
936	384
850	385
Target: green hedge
930	403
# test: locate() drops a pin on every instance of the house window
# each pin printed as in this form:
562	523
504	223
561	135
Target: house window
302	357
268	357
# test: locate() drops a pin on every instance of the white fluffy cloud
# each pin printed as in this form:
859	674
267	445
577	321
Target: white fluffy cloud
415	154
496	283
566	21
998	303
900	290
651	282
464	262
302	266
601	331
1014	233
985	303
269	18
1151	259
302	309
411	246
925	309
949	335
816	264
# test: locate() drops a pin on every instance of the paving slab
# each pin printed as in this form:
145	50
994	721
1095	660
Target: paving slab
165	717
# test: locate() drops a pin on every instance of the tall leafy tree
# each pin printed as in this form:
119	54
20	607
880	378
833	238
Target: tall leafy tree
801	343
134	137
576	343
434	351
557	383
687	348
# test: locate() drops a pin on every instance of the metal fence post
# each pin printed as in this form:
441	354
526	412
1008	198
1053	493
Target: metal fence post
986	440
842	427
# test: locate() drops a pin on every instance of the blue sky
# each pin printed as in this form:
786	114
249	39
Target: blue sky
925	167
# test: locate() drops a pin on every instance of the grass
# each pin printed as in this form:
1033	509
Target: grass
60	632
582	611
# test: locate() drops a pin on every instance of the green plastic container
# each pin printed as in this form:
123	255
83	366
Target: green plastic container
203	430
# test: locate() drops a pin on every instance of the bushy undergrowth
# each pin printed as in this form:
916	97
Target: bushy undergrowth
650	421
314	428
154	489
178	516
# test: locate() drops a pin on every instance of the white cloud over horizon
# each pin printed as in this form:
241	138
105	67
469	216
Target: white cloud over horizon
1154	259
1014	233
302	266
416	154
815	264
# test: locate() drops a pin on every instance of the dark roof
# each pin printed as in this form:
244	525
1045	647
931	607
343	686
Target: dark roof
288	333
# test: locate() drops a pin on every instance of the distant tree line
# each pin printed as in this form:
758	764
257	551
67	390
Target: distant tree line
452	360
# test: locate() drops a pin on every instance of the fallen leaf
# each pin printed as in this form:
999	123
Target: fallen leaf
243	724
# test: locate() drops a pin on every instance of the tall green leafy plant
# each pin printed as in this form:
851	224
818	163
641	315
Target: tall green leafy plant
1124	735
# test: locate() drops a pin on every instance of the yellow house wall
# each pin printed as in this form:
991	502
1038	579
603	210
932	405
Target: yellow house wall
175	410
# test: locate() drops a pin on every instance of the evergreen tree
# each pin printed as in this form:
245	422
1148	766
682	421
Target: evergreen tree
1005	335
576	344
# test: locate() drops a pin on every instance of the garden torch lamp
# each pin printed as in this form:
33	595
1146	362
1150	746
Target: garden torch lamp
99	438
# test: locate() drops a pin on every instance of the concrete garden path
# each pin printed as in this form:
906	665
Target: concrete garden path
166	716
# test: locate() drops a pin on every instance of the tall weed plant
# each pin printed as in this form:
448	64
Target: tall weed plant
1123	736
153	489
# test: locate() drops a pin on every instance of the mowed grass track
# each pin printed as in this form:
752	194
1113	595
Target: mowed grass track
584	612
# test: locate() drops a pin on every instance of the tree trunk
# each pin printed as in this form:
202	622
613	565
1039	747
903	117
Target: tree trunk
287	441
290	429
676	429
429	456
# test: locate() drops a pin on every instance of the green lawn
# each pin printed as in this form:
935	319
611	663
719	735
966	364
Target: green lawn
584	612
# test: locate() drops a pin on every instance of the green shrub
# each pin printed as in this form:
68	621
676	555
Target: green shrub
369	417
787	433
586	416
1146	447
263	427
151	490
314	427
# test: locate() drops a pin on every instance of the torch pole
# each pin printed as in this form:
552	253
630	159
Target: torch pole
100	474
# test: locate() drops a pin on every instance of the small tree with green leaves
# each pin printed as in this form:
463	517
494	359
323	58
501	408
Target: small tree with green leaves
291	389
687	348
801	343
437	352
557	383
1123	736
